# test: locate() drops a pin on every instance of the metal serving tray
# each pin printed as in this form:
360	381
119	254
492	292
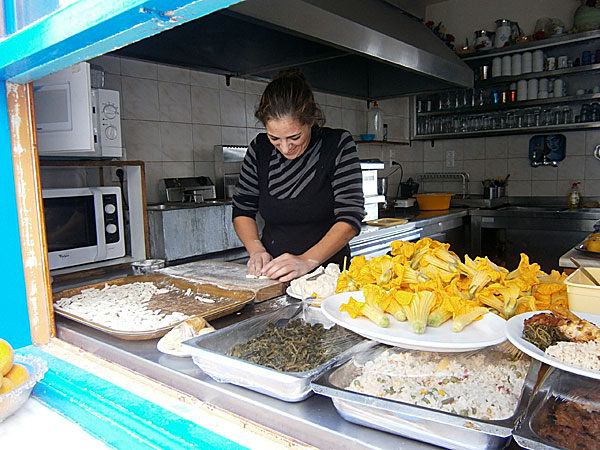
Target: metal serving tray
416	422
209	353
556	386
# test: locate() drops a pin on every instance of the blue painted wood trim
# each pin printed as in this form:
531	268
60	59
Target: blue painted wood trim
119	418
89	28
14	320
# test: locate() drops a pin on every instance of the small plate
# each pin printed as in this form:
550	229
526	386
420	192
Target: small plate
582	249
488	331
514	333
160	346
292	294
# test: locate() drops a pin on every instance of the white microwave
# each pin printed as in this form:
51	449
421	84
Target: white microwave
83	225
74	120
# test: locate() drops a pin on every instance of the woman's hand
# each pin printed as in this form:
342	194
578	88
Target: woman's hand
287	267
257	262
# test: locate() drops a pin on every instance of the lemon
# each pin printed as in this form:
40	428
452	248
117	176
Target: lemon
7	385
18	374
592	245
6	357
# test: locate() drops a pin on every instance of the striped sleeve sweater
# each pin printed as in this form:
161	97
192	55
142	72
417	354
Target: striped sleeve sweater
331	155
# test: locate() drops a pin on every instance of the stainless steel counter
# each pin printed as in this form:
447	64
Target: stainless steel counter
313	421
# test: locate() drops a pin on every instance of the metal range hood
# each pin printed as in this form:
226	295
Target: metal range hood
367	49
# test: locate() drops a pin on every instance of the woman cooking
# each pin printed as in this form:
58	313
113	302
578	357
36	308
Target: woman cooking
304	180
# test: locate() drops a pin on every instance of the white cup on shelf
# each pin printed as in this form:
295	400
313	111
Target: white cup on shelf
543	84
538	61
532	89
506	66
522	90
496	67
526	62
516	63
559	87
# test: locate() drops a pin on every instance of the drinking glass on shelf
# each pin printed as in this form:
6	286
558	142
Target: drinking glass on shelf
510	120
568	114
546	118
528	118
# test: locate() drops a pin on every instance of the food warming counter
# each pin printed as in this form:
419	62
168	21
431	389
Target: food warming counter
313	421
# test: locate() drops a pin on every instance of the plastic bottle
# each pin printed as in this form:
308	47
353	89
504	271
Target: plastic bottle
574	196
375	122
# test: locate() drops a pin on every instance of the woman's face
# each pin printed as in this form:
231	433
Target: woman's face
288	136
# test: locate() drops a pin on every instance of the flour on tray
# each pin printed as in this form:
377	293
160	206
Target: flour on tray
121	308
321	282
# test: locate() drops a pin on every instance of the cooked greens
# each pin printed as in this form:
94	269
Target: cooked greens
297	347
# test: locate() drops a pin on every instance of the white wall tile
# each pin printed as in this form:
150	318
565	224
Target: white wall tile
333	100
139	69
112	82
496	147
435	153
474	148
205	137
204	79
174	102
139	99
349	122
141	138
205	169
575	143
252	102
173	74
153	174
395	107
572	168
110	64
544	173
255	87
518	145
206	106
433	166
519	169
235	84
176	142
592	168
174	169
476	170
234	136
233	108
251	133
518	188
333	116
495	168
543	189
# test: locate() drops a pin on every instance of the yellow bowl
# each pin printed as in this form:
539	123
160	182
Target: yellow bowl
433	202
582	294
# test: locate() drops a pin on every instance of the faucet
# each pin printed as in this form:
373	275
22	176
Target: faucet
541	159
544	162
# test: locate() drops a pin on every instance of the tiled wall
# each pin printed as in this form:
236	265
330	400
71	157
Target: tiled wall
173	117
491	157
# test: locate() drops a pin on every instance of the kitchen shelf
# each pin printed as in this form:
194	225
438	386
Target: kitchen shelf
592	69
504	131
557	41
577	42
511	105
